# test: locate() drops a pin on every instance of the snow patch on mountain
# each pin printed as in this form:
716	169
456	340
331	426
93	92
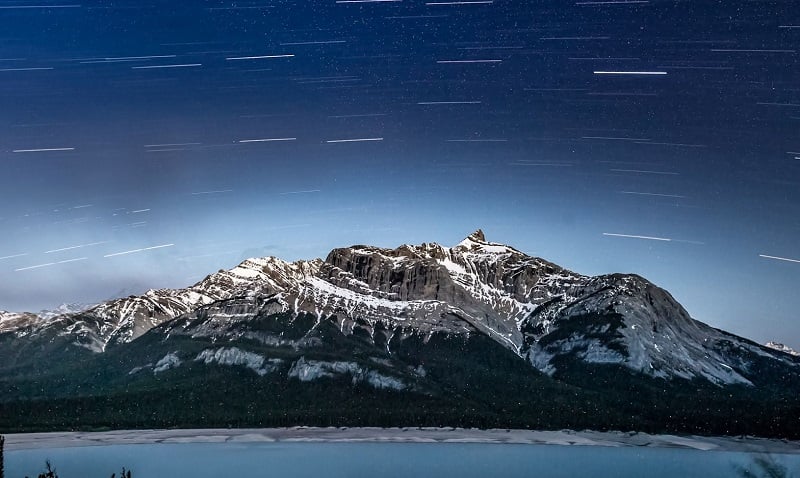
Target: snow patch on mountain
16	321
309	370
64	309
169	361
782	348
236	356
7	317
138	369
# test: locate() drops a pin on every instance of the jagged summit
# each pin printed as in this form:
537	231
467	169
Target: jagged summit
477	243
477	236
473	241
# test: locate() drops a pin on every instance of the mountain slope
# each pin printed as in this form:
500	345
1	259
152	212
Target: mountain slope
391	321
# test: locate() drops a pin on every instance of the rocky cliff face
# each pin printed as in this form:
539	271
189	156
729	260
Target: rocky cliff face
542	312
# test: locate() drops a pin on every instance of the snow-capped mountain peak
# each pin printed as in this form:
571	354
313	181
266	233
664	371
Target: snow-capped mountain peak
540	311
477	237
64	309
477	243
783	348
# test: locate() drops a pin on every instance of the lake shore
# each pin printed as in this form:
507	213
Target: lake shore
27	441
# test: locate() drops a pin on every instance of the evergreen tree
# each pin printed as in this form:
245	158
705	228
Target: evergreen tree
124	474
50	472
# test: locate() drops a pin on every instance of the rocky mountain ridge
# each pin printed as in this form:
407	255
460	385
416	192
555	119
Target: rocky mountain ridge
782	348
542	312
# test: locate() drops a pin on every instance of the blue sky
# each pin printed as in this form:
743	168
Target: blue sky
657	137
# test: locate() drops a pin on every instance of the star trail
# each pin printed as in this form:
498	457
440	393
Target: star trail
146	145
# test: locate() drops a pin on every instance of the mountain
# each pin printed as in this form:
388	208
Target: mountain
782	348
479	323
13	321
63	309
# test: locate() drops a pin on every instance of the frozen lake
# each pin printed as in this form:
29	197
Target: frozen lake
315	459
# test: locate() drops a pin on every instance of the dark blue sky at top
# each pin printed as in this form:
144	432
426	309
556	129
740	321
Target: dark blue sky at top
128	126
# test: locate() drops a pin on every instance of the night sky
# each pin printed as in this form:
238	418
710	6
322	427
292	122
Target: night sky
145	145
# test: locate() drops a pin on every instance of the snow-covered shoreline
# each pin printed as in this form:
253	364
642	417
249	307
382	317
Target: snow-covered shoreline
27	441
